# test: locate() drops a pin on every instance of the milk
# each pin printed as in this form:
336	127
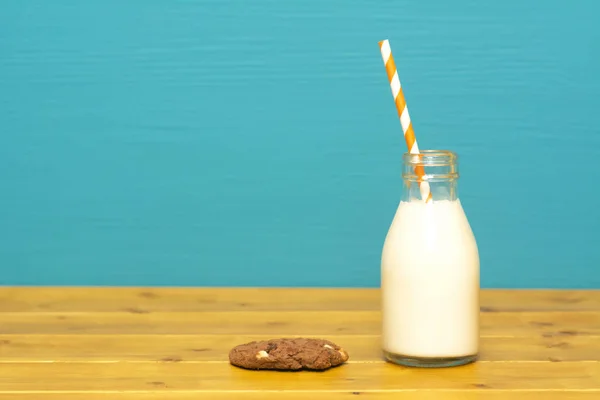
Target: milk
430	282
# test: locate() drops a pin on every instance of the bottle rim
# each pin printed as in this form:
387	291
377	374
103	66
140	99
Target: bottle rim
431	157
436	165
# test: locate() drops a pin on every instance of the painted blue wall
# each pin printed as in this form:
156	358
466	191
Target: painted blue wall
235	142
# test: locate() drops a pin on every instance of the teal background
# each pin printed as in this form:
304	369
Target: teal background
235	142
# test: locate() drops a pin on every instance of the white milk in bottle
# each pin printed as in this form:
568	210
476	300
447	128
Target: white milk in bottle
430	270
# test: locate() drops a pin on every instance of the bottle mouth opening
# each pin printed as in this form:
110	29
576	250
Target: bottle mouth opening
430	165
432	158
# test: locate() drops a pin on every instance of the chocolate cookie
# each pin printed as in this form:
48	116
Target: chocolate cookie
288	354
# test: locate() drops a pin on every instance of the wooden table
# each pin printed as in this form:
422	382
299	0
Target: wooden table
149	343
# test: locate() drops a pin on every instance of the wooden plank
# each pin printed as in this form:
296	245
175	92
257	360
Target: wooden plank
81	299
77	299
279	323
344	395
539	300
210	348
350	377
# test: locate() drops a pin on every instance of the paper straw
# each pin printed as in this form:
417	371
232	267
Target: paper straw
409	134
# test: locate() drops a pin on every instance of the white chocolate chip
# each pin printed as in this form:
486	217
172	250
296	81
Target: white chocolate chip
343	354
328	346
262	354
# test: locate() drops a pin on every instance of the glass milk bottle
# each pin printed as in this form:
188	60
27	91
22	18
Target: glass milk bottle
430	270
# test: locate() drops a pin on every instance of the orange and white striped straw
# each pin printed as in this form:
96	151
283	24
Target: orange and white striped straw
409	134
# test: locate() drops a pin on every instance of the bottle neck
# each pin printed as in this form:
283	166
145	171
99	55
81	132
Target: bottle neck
440	190
431	171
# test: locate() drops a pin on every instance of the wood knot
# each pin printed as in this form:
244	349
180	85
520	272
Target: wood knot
568	333
157	383
276	323
171	359
481	386
135	310
541	324
567	300
559	345
560	333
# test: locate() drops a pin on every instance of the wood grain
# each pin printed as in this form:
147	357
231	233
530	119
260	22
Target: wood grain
350	377
142	344
280	323
211	348
475	394
77	299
